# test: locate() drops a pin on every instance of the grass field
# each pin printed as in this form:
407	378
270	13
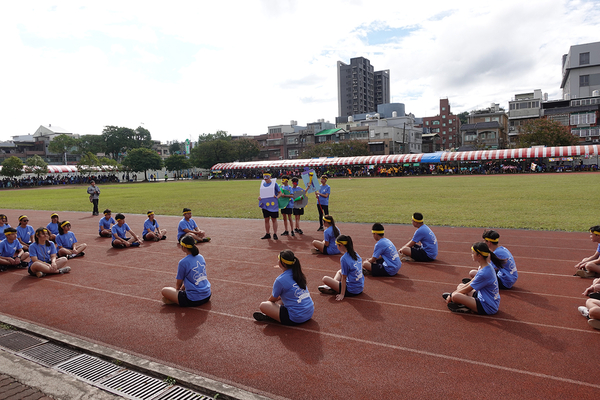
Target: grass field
538	201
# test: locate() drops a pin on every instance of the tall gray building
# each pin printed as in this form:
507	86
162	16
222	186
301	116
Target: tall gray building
360	88
581	71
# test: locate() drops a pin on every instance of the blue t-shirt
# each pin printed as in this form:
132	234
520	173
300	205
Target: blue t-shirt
428	241
486	284
66	240
149	227
507	275
2	228
53	228
42	252
9	249
183	224
297	300
324	189
355	280
329	237
25	233
385	249
105	224
192	271
120	231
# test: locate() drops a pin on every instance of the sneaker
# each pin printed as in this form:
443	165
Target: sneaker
3	268
206	239
267	236
458	308
366	271
584	311
585	274
39	274
320	229
135	244
326	290
466	280
594	323
164	237
262	317
70	256
595	295
275	236
64	270
25	264
286	233
315	251
405	258
296	230
293	233
446	295
300	231
81	254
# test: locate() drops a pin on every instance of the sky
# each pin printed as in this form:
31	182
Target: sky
185	68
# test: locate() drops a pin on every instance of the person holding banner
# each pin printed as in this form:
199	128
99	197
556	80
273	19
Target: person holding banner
269	193
323	200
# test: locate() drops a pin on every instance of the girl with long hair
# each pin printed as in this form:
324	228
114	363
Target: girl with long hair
349	280
327	245
67	243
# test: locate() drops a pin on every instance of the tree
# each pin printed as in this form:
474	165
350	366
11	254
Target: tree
37	165
141	138
142	159
12	166
342	149
176	162
245	149
62	144
175	148
119	140
87	163
212	149
463	117
90	144
545	132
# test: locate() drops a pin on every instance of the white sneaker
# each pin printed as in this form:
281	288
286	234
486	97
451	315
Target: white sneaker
64	270
584	311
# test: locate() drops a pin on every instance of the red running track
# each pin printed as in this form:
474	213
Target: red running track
397	340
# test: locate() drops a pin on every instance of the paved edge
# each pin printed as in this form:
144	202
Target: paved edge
206	386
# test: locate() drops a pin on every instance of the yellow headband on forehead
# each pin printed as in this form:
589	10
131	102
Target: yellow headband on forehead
120	219
189	246
54	215
188	211
283	260
417	220
324	177
378	232
326	219
45	230
491	240
64	223
284	180
267	174
150	213
483	253
344	242
595	232
22	217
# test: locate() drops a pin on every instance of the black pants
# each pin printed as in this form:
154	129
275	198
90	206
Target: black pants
95	202
323	210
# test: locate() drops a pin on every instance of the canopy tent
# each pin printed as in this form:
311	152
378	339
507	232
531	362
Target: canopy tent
69	169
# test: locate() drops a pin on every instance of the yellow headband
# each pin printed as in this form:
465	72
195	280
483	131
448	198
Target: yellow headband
595	232
189	246
185	212
45	230
283	260
54	215
265	175
107	213
22	217
326	219
344	242
493	240
483	253
417	220
120	219
378	232
284	180
324	177
150	213
64	223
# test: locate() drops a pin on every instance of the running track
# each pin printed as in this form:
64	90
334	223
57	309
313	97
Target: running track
397	340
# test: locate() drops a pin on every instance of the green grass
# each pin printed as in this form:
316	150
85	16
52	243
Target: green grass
538	201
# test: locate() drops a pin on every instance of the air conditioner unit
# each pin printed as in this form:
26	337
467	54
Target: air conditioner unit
596	140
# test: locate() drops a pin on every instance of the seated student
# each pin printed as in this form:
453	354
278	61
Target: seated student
25	232
192	287
349	280
106	223
119	233
481	295
290	302
592	312
594	290
11	251
423	246
53	226
507	275
151	229
3	225
67	243
327	246
385	260
187	226
590	266
43	256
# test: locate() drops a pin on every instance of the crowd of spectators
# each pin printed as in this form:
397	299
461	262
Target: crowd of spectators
50	180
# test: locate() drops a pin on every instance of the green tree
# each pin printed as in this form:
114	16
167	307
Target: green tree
176	162
142	159
212	149
119	140
108	161
87	163
37	165
175	148
463	117
90	144
62	144
245	149
141	138
12	166
545	132
342	149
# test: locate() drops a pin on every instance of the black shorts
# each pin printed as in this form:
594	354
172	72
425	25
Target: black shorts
298	211
118	245
185	302
377	269
270	214
418	254
146	234
480	309
284	317
286	211
347	294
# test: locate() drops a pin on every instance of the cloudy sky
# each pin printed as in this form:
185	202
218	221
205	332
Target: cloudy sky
185	68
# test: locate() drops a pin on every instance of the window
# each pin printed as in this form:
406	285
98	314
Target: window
450	137
450	130
436	122
584	80
443	117
497	119
443	108
487	119
322	139
491	135
584	58
426	122
293	153
292	140
585	118
444	124
443	132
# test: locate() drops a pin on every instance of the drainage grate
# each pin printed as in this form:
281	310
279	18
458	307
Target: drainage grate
179	393
88	368
133	385
18	341
48	354
5	331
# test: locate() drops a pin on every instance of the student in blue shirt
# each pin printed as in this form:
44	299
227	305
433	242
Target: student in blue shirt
290	302
385	260
323	200
423	246
105	224
287	211
349	280
507	273
3	225
152	230
11	251
53	226
25	232
590	266
187	226
67	243
119	233
327	246
43	256
192	287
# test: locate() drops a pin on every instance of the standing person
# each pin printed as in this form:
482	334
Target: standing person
152	230
287	211
323	200
423	246
267	200
3	225
507	274
11	251
349	280
25	232
590	266
119	233
53	226
43	260
481	295
94	192
385	260
106	223
187	227
290	302
67	243
327	246
297	212
192	287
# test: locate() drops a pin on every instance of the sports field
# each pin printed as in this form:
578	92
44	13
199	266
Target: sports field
561	201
